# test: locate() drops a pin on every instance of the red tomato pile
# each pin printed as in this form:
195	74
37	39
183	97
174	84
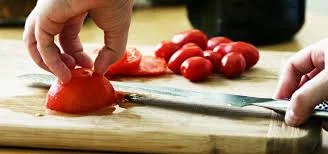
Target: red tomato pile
192	55
217	54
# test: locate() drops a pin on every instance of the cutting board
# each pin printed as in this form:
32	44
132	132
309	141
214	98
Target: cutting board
24	122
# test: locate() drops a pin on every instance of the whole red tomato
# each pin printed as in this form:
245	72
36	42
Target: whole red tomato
250	52
196	68
191	36
221	48
165	50
215	41
233	65
181	55
86	92
215	59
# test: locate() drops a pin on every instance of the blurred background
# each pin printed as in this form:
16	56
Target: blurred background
157	20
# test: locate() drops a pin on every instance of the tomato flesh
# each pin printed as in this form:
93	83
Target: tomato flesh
135	64
86	92
151	66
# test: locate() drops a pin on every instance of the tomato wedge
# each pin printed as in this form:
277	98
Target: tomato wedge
127	64
151	66
134	64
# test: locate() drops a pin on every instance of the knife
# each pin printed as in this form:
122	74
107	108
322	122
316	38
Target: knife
168	97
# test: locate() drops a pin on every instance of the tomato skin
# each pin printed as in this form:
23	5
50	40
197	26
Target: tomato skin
250	52
181	55
196	69
215	59
189	45
165	50
233	65
86	92
215	41
221	48
127	64
191	36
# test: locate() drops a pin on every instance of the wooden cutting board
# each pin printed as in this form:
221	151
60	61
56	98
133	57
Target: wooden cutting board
24	122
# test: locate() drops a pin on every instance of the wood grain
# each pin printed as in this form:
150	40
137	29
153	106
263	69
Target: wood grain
151	129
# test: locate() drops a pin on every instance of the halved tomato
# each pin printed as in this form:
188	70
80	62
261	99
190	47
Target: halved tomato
86	92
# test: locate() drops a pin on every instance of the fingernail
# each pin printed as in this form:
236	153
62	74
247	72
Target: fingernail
291	119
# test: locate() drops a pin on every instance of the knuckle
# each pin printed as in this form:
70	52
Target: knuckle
299	101
299	98
53	64
39	62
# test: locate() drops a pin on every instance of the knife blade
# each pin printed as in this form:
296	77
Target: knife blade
162	96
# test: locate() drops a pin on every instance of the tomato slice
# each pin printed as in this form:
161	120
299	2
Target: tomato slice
134	64
127	64
151	66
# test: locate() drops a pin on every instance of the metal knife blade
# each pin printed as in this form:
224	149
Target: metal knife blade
181	98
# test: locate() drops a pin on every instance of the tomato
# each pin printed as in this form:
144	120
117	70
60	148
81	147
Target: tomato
215	59
196	68
151	66
215	41
233	65
86	92
191	36
181	55
190	45
250	52
221	48
127	64
165	50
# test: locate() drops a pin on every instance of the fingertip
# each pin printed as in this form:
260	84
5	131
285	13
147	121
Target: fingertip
100	67
105	58
276	95
68	60
65	78
292	119
83	60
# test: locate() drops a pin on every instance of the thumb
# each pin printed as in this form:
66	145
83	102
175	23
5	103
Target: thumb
305	99
114	19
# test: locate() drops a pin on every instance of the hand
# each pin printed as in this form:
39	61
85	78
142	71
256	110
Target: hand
305	81
65	18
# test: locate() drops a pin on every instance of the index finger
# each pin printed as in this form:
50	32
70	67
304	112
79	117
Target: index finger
300	64
49	51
